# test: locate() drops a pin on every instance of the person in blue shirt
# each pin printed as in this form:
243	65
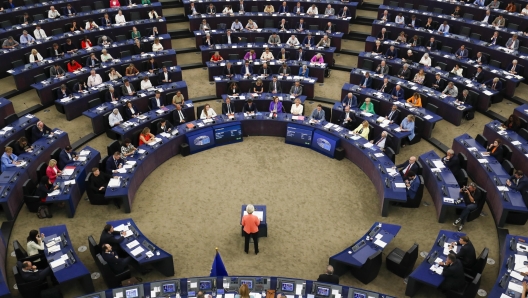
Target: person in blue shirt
318	114
479	2
9	159
9	4
304	71
462	52
408	125
26	38
391	53
350	100
366	82
412	184
397	93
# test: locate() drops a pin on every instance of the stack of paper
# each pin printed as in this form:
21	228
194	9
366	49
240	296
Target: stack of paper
114	182
54	193
54	248
132	244
57	263
438	270
137	251
259	214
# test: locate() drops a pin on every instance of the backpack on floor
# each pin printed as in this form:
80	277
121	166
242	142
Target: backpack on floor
470	115
43	212
327	72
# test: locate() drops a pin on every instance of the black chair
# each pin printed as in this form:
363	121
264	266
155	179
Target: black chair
369	271
120	38
446	49
112	280
55	154
6	24
464	179
441	65
368	64
523	50
86	8
313	27
418	127
479	265
393	3
232	57
17	63
467	16
135	16
402	262
113	147
38	17
408	6
254	8
390	154
463	160
39	78
93	197
125	54
98	5
268	23
94	247
167	64
415	203
495	63
94	103
469	290
482	140
109	133
57	31
10	118
242	40
475	36
523	133
512	26
199	111
27	132
102	164
41	170
508	166
431	107
423	7
437	10
259	39
221	26
464	31
507	152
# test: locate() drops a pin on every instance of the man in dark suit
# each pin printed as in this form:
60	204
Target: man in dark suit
466	255
250	107
114	163
63	92
300	55
127	88
391	53
404	72
30	272
386	87
453	274
117	264
452	162
283	55
265	70
382	141
211	9
26	19
412	183
69	10
494	84
481	59
228	108
301	25
397	93
111	95
518	182
514	68
229	38
407	167
229	71
157	102
283	8
164	126
179	117
438	84
394	114
246	69
350	100
38	131
366	82
431	44
479	75
67	156
344	13
347	119
329	276
467	99
164	76
275	86
108	237
92	61
415	23
308	41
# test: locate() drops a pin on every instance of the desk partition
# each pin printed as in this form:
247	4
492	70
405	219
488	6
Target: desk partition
6	109
518	145
15	130
245	83
505	204
512	256
371	160
262	101
521	111
4	287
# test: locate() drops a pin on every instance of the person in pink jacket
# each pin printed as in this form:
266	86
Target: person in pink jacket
318	58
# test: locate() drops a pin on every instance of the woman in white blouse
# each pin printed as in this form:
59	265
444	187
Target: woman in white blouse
120	18
525	10
312	10
400	20
34	244
145	83
426	60
114	74
35	56
105	56
207	112
457	70
251	25
156	46
293	41
227	10
297	108
153	14
267	55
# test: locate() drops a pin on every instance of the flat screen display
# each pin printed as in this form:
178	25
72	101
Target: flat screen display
228	134
169	288
200	140
249	283
360	295
132	293
322	291
324	143
205	285
287	287
299	135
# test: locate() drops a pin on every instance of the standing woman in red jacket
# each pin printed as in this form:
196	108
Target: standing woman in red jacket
52	171
250	223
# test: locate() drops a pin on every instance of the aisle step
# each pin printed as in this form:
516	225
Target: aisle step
191	66
361	20
341	67
355	35
186	50
180	33
178	18
170	3
349	52
369	6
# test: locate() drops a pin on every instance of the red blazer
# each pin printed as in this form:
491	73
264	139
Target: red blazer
85	44
75	66
51	173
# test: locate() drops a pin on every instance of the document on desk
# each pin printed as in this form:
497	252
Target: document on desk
54	248
515	287
114	182
54	193
228	295
438	270
137	251
482	160
121	228
259	214
399	185
51	243
503	188
516	143
254	295
435	170
380	243
521	247
57	263
68	171
439	164
517	275
298	289
449	200
132	244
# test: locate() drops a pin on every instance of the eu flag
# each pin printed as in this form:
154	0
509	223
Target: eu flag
218	268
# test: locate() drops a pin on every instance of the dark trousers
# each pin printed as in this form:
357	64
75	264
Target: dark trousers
255	241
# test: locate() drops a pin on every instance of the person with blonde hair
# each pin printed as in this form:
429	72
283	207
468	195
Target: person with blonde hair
35	56
145	136
363	129
9	159
250	224
52	171
297	108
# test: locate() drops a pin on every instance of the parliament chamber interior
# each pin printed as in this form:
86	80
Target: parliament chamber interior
384	142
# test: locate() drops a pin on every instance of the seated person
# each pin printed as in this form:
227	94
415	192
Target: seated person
264	70
157	102
274	39
457	70
275	105
246	70
324	42
227	10
318	114
35	56
512	123
216	57
297	108
228	108
412	183
105	56
391	53
56	71
114	163
419	77
208	41
367	106
283	55
267	55
145	83
415	100
30	272
275	86
382	68
296	89
116	264
40	130
350	100
495	150
304	71
493	84
317	58
347	118
9	159
258	87
386	87
127	88
233	89
115	118
208	112
366	81
363	130
131	110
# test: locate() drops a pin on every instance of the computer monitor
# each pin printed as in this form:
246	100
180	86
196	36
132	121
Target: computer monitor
201	139
168	288
323	291
227	134
358	294
286	286
205	284
299	135
324	143
131	292
250	282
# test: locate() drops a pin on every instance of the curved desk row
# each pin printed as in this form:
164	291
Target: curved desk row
141	101
241	49
4	287
250	35
423	275
228	287
483	94
515	142
341	24
447	109
441	184
70	193
355	258
13	14
45	88
6	109
201	5
370	160
15	130
498	52
316	71
78	103
65	264
521	111
141	249
512	257
506	205
25	74
244	83
262	101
